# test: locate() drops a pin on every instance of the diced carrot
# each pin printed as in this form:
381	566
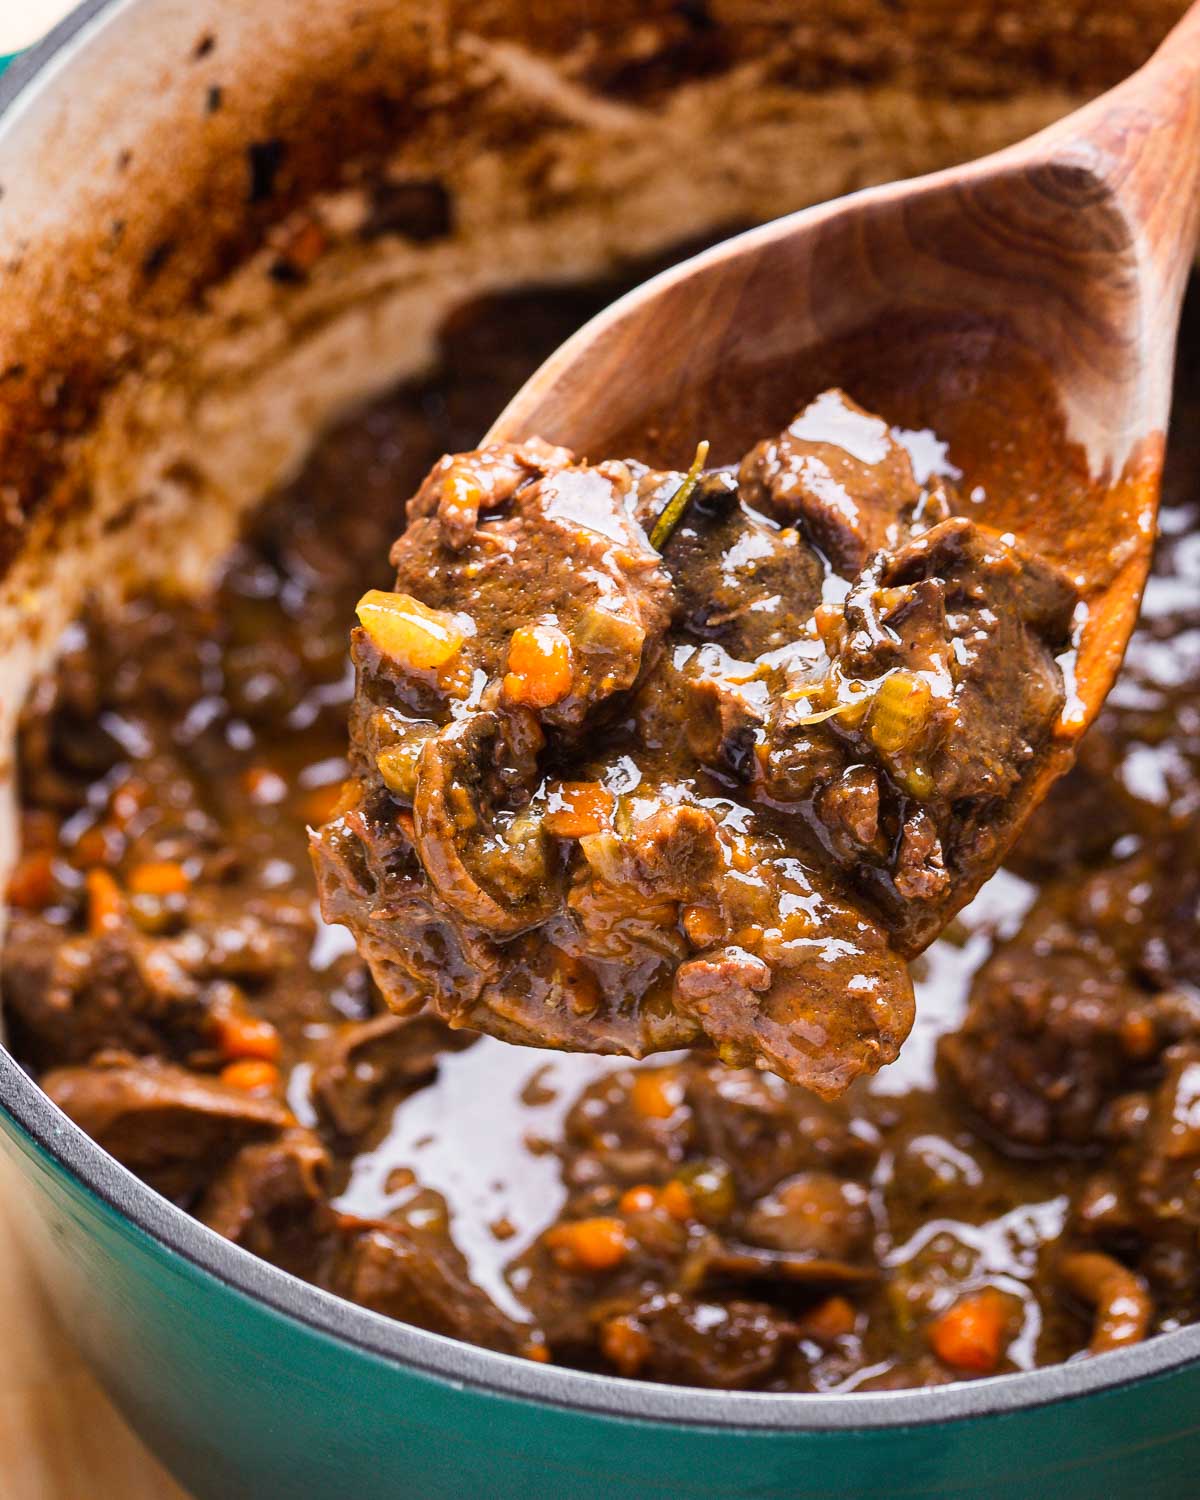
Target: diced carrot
578	808
832	1319
829	620
240	1035
638	1200
539	1353
105	902
160	877
540	670
703	926
676	1200
625	1345
970	1335
656	1095
253	1075
462	496
598	1244
408	632
1138	1035
672	1198
31	885
749	937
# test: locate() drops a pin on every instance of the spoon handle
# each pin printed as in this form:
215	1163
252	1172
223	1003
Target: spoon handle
1141	141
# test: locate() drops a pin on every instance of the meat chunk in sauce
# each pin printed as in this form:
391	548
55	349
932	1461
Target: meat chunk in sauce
612	801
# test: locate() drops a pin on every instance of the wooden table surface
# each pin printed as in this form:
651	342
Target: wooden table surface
60	1437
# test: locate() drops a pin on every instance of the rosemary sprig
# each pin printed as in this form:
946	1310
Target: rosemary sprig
672	512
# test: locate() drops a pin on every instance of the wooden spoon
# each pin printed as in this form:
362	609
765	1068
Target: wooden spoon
1024	306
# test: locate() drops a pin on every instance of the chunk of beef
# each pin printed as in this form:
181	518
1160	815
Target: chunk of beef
813	1214
819	1006
993	621
496	871
363	1060
838	473
724	1345
418	1277
267	1196
950	643
168	1125
71	997
1060	1022
74	996
741	580
461	485
769	1131
673	854
564	553
725	721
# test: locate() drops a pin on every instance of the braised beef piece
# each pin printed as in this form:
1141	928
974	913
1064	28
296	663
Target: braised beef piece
167	1124
269	1196
1073	1010
356	1066
838	473
419	1276
616	802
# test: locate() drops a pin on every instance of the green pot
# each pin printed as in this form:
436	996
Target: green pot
245	1381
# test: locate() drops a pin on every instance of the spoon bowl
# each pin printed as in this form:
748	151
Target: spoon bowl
1023	307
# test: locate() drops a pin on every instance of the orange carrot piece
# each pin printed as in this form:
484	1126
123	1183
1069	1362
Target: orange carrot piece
105	902
540	668
598	1244
656	1095
625	1345
970	1336
831	1319
253	1075
638	1200
241	1035
578	808
159	877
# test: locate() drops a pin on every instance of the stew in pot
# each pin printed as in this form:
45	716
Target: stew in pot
1018	1188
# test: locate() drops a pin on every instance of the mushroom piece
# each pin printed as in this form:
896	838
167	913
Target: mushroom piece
491	866
1122	1304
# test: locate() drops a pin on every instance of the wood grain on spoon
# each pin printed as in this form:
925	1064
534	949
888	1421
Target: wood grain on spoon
1024	307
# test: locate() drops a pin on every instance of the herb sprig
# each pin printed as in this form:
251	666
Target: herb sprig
672	512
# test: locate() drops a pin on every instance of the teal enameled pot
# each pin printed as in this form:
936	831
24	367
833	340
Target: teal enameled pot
159	160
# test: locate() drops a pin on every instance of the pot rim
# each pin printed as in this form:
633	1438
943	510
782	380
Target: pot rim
450	1360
